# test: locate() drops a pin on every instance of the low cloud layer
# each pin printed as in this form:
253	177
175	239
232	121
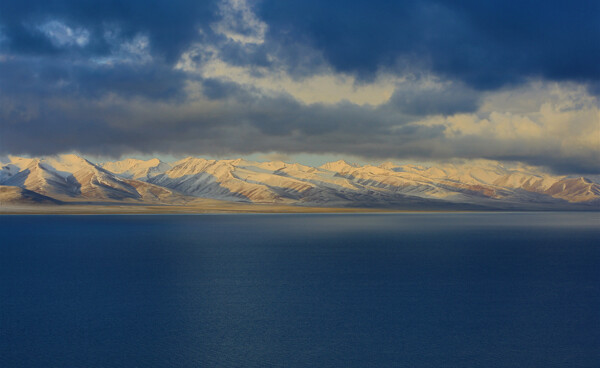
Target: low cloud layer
234	77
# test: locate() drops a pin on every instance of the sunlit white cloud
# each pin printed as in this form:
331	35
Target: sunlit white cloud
326	86
239	23
129	51
61	34
556	119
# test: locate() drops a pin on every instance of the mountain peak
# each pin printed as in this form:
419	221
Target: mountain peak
67	160
132	168
388	165
338	166
238	162
70	157
154	161
189	159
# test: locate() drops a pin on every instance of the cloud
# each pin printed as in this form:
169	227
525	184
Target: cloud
552	134
62	35
170	25
274	156
485	44
549	124
322	87
27	78
135	50
421	79
432	96
239	23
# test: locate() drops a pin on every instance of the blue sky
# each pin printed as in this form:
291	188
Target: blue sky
304	80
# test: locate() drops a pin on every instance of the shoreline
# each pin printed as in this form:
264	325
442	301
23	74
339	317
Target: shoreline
118	209
181	210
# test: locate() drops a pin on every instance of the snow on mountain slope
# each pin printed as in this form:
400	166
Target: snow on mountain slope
39	176
495	180
268	182
340	182
574	190
479	183
214	179
136	169
73	178
340	166
472	182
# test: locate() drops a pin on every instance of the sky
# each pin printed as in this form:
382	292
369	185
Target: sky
304	80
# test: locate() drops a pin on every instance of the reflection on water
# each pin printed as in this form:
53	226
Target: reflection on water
417	290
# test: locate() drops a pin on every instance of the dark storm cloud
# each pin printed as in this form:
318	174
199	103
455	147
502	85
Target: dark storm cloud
242	55
35	79
216	89
246	124
240	125
414	99
106	60
107	85
486	44
171	25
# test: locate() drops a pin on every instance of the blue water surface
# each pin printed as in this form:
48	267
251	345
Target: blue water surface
376	290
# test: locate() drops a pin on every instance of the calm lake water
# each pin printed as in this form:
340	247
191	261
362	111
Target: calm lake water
389	290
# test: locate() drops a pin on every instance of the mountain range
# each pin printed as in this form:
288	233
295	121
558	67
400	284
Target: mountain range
475	185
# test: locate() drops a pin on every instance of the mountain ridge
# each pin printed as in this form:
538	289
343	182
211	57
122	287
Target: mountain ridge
480	185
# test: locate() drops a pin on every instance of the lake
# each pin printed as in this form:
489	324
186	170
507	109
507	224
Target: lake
317	290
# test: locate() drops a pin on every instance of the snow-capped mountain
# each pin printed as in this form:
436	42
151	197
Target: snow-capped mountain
478	184
494	180
339	183
71	178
